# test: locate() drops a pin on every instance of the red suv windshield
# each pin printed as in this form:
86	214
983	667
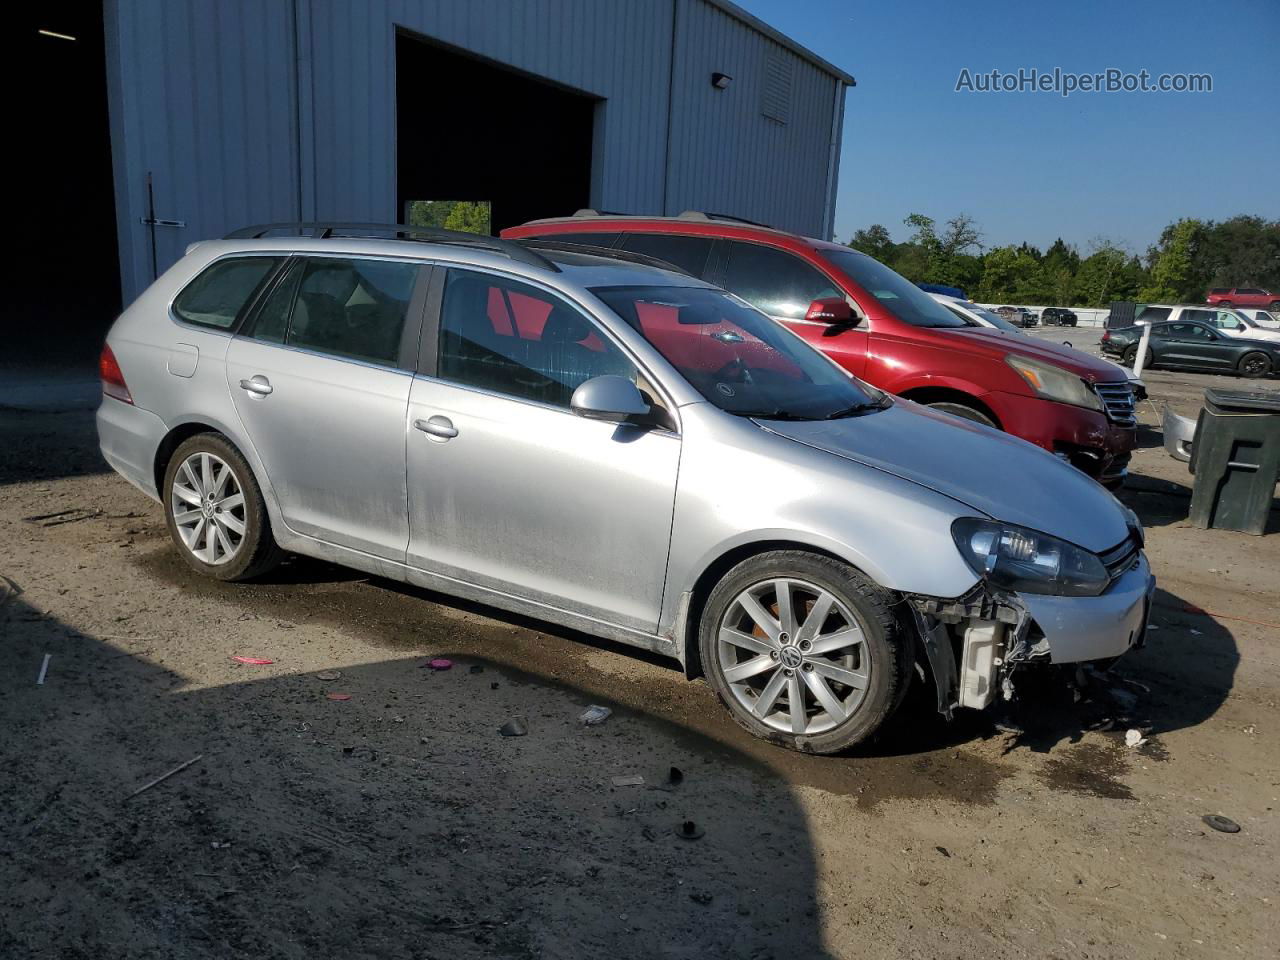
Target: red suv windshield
894	292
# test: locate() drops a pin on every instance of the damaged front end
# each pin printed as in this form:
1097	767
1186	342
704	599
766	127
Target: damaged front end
975	644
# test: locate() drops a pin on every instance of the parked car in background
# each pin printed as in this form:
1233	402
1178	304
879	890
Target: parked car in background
1018	316
1193	345
691	477
1265	319
884	329
1228	321
943	289
1059	317
979	316
1243	297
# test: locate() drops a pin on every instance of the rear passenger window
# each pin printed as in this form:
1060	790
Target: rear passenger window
1154	314
774	281
349	308
217	296
688	253
515	339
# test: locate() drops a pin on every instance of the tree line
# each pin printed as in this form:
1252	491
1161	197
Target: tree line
1190	257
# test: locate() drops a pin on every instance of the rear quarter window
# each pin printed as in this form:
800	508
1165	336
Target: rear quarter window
219	295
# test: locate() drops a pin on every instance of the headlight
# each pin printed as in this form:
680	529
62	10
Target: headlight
1016	558
1054	383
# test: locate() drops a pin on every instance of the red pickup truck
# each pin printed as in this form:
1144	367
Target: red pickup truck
885	330
1243	297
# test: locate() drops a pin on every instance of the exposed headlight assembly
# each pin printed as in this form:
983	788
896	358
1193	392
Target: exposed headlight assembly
1054	383
1028	561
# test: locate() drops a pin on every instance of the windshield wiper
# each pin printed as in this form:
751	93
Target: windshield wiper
770	415
857	408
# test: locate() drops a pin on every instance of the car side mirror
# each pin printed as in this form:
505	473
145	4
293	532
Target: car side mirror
833	311
1241	327
610	398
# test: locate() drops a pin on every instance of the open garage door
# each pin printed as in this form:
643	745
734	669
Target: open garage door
484	143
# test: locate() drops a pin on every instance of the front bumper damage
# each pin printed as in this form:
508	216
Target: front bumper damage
976	643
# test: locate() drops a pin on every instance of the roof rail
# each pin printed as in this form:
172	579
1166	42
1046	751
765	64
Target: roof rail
398	231
704	215
588	212
567	246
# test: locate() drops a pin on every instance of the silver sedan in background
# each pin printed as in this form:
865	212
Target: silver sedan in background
615	447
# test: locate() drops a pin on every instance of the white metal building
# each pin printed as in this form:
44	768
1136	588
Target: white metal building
229	112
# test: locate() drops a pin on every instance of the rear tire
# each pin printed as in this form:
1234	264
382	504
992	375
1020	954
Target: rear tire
215	511
1255	365
965	412
844	665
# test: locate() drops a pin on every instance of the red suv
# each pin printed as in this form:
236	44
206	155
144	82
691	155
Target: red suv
1243	297
887	331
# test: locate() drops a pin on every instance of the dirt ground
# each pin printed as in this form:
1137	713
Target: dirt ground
399	823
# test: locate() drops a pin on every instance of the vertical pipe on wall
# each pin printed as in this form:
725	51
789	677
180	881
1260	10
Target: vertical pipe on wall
671	86
304	105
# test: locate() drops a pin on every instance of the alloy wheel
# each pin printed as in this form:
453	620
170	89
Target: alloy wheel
793	656
1256	365
208	508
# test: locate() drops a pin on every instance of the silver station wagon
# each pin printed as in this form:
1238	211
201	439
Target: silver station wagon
603	442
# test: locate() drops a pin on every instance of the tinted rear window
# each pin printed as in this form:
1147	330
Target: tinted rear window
217	296
688	253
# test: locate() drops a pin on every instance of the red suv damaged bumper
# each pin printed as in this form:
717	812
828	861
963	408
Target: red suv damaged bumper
1085	438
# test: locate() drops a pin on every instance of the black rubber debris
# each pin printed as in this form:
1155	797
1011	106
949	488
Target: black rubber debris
515	727
688	830
675	776
477	668
1222	824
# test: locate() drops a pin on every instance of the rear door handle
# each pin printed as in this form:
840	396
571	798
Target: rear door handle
437	426
258	385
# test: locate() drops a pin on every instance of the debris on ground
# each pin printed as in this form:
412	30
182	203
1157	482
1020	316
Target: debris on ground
165	776
62	516
632	780
329	675
688	830
702	898
338	696
476	668
944	851
439	663
44	668
595	714
515	727
1220	823
253	661
675	777
1134	738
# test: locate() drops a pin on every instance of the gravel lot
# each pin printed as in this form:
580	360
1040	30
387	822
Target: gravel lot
399	823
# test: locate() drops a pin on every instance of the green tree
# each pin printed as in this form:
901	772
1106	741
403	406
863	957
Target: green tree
464	215
874	241
1172	264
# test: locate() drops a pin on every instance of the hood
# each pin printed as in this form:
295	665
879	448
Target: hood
998	346
992	472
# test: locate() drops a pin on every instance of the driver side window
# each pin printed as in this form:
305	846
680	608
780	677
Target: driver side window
774	281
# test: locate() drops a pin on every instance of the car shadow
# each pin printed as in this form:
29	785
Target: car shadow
1159	502
379	813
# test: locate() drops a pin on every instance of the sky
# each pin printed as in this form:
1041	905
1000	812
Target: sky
1035	166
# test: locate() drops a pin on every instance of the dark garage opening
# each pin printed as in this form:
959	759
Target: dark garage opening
470	130
64	256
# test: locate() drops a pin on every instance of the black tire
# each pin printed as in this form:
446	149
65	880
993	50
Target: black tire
965	412
257	552
887	645
1131	354
1274	306
1255	365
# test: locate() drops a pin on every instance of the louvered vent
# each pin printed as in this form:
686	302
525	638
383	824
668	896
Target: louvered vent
775	99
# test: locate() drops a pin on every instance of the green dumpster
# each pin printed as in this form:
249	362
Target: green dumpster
1235	457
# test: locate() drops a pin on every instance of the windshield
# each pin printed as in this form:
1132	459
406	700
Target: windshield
738	358
898	295
993	318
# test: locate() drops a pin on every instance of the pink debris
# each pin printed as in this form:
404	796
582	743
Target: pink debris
253	661
338	696
440	663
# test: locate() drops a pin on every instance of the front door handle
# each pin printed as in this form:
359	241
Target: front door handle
258	385
437	426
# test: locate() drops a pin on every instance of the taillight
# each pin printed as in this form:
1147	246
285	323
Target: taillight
1106	335
113	384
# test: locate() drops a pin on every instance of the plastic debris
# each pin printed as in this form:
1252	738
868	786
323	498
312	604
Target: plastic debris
44	668
688	830
253	661
440	663
515	727
178	769
493	685
675	776
633	780
1134	738
1220	823
338	696
328	675
595	714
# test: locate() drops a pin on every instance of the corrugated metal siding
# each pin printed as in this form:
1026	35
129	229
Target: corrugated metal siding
202	97
727	156
259	110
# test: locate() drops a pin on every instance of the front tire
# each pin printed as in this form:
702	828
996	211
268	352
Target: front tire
1255	365
965	412
1131	355
804	651
215	512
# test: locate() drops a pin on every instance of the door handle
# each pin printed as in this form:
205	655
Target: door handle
437	426
258	385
